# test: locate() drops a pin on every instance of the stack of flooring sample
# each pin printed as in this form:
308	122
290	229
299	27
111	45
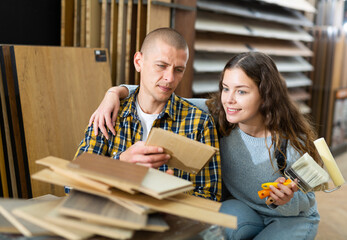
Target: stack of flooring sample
279	29
47	95
110	198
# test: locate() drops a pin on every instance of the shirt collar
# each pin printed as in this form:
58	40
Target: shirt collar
130	106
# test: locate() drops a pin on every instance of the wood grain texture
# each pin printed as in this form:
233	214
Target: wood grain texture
67	23
3	167
157	16
5	128
141	25
100	210
121	40
184	24
113	41
93	23
15	123
85	226
36	214
83	23
59	89
77	23
166	206
25	227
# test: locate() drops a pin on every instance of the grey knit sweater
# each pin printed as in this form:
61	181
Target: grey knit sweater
246	165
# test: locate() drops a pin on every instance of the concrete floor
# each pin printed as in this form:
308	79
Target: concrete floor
333	208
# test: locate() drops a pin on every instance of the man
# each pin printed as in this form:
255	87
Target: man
161	63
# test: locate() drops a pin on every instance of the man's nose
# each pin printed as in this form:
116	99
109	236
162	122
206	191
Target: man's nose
169	75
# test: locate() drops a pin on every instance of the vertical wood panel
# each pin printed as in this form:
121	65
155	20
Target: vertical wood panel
114	41
157	16
67	24
140	30
93	23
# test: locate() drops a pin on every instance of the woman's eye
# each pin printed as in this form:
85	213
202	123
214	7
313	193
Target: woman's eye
242	92
224	89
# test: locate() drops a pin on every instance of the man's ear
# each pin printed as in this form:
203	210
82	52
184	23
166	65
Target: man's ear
138	61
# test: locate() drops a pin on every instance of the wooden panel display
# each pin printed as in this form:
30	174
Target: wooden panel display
256	10
157	15
214	42
301	5
207	21
57	89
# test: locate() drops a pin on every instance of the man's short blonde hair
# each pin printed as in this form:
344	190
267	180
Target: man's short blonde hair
168	35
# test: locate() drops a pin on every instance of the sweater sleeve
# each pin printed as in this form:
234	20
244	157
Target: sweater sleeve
131	88
300	203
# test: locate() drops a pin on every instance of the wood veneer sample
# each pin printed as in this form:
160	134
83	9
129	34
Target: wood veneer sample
157	16
227	43
100	210
99	229
67	23
212	22
164	205
36	214
93	23
301	5
25	227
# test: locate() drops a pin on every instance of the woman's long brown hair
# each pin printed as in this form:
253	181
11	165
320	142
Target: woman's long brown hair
281	117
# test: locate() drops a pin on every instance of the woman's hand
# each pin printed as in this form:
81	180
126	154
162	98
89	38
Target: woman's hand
109	106
282	194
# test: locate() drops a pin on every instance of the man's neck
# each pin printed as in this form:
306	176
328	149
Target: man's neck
149	105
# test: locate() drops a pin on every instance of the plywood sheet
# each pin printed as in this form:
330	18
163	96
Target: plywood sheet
56	84
212	22
256	11
215	42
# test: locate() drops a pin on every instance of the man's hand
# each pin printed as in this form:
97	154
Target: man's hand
148	156
109	105
283	194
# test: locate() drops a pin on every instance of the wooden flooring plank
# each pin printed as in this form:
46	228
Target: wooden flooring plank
100	210
36	214
157	16
93	23
50	93
141	25
212	22
67	23
167	206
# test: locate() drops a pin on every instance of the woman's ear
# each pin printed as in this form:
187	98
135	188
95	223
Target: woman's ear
138	61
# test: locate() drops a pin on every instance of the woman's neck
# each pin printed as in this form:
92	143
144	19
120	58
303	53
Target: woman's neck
258	131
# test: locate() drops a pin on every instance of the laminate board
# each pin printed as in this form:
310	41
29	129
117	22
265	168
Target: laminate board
99	229
157	16
77	23
83	23
164	205
105	23
130	177
296	79
25	227
56	84
197	201
93	23
36	214
301	5
113	40
184	22
130	42
5	129
227	43
141	25
6	226
4	171
67	23
256	10
121	42
100	210
156	223
19	158
212	22
204	62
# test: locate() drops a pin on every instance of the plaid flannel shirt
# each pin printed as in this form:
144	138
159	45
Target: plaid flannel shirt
178	116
